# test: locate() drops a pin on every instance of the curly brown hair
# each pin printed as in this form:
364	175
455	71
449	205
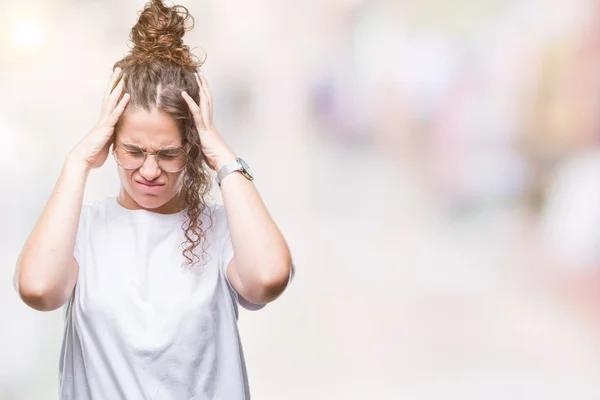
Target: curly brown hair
156	70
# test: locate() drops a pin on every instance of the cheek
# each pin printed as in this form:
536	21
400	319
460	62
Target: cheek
176	180
125	176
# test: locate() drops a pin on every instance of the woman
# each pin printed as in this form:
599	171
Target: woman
151	279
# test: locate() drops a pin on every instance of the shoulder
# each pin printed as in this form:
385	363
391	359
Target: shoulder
100	209
215	209
215	217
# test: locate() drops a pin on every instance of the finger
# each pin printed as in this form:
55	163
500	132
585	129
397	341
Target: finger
201	95
199	86
205	105
119	109
113	99
113	80
202	92
190	102
206	88
204	83
209	108
194	109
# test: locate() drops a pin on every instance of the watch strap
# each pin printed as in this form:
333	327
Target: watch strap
227	169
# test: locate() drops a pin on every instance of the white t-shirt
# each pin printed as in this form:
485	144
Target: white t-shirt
139	324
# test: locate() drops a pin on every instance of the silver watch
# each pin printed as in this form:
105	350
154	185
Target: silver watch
236	165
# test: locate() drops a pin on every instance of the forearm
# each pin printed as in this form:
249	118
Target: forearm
45	266
261	254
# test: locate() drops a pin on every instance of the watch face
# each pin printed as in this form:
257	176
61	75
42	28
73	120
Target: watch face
246	168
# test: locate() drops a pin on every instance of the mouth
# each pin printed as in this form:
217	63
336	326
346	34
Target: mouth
150	184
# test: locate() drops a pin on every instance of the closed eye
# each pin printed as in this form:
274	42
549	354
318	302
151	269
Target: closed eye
132	149
171	153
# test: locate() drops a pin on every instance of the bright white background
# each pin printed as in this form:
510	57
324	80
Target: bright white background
408	152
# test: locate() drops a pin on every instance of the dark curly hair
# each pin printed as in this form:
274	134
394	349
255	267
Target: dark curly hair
156	71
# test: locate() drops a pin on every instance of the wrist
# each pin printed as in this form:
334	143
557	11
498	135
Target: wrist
76	164
224	160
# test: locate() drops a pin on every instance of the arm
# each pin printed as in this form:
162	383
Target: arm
261	266
46	270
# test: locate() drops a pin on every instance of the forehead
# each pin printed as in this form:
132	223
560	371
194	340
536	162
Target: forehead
148	129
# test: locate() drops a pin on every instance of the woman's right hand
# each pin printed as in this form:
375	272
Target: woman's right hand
93	150
47	270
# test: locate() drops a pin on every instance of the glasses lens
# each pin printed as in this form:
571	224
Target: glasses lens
171	159
129	157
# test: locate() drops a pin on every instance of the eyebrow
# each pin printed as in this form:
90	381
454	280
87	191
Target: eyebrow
129	144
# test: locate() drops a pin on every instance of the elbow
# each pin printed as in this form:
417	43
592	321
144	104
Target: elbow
37	297
38	294
34	298
273	284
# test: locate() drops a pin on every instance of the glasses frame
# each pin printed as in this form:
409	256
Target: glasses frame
146	154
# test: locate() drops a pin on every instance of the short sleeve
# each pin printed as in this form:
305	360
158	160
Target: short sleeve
226	254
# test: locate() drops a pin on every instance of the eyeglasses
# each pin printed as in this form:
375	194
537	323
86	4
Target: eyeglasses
131	156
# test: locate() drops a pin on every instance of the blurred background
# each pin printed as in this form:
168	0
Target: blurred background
433	164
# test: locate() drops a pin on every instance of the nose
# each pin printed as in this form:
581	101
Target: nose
149	169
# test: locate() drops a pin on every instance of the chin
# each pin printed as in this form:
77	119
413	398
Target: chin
151	201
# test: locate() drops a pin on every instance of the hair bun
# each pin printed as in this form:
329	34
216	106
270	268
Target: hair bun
158	34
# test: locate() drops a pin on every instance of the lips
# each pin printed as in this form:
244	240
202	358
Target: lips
150	184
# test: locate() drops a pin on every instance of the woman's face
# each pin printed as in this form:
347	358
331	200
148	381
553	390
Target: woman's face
148	187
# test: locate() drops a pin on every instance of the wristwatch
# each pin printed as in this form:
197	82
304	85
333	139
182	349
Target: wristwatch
236	165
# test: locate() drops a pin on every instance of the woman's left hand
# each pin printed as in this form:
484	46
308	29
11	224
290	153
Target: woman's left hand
214	148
